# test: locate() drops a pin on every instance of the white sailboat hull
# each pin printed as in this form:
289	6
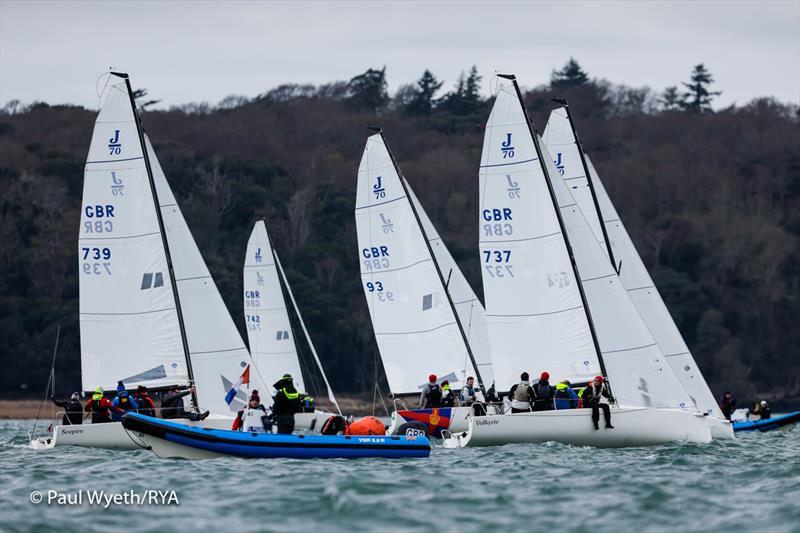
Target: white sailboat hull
633	426
111	435
719	427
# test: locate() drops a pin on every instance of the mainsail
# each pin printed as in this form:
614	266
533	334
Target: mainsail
129	322
415	325
217	351
536	316
633	274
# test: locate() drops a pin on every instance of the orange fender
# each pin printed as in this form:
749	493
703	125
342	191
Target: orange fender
369	425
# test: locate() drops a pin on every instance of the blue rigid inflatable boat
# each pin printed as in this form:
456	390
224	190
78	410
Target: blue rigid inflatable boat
171	439
776	422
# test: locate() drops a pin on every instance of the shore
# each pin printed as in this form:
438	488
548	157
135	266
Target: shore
26	409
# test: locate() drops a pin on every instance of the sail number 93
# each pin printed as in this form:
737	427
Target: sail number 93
377	288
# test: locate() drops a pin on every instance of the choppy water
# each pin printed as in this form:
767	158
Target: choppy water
751	483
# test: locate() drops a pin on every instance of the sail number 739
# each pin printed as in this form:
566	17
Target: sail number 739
497	263
96	261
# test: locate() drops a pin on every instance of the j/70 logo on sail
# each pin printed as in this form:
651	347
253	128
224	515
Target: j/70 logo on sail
559	164
114	144
507	148
378	189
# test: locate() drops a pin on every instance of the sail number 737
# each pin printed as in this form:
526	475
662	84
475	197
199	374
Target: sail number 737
497	263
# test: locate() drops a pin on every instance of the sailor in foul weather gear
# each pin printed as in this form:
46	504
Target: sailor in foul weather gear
544	393
522	395
172	405
468	396
147	406
99	406
595	395
565	397
762	409
73	410
727	405
253	418
285	404
448	397
122	403
431	395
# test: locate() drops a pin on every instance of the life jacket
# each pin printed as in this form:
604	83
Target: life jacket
290	395
433	398
596	393
520	399
333	425
543	391
124	402
448	398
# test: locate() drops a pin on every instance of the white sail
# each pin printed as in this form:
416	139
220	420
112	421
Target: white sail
639	372
128	318
415	327
268	328
217	352
634	276
469	308
536	318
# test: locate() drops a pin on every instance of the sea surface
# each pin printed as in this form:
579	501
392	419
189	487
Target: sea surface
751	483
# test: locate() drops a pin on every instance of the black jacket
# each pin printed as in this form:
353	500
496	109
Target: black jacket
589	397
146	405
287	400
74	411
172	404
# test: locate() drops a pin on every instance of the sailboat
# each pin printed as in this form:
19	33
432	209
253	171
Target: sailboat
272	341
554	303
576	169
150	313
425	316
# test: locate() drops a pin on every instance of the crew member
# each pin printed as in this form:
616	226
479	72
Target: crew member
254	417
728	404
565	397
73	410
122	403
146	404
448	397
285	404
307	402
595	395
468	396
431	394
172	405
99	406
522	395
762	409
544	393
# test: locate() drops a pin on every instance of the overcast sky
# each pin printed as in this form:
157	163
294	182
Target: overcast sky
203	51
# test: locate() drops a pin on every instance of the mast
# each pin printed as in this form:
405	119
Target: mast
331	397
561	225
607	241
163	232
435	262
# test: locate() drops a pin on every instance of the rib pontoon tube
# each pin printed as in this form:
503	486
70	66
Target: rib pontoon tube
783	422
168	439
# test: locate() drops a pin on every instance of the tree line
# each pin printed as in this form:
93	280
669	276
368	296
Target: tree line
711	199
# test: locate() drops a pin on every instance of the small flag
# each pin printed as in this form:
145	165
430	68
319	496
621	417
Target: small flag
244	379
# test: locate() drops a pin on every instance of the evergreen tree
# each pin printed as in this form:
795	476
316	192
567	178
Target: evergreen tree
367	91
466	97
140	94
671	99
422	98
697	98
570	75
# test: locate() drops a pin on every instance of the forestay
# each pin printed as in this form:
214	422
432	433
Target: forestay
414	325
128	317
561	142
269	331
469	308
639	372
536	318
216	349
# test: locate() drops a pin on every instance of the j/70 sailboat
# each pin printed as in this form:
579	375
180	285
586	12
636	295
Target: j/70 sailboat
425	316
575	167
150	313
272	341
554	303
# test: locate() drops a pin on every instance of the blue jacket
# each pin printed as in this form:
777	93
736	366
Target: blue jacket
120	407
565	397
